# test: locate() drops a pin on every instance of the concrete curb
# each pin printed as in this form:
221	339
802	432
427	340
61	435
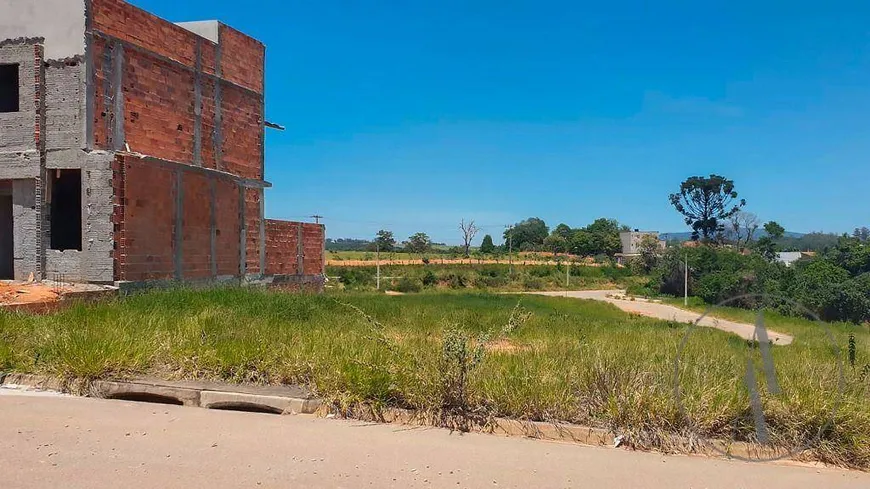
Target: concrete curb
275	399
587	435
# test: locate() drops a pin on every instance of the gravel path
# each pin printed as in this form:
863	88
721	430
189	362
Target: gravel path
669	313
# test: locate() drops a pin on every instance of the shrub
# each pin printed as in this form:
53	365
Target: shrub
643	290
409	285
429	278
533	283
355	277
485	282
456	280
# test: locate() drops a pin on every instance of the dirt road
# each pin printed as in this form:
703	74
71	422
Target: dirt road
89	443
669	313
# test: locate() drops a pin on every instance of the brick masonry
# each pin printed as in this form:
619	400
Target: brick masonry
176	107
167	128
283	250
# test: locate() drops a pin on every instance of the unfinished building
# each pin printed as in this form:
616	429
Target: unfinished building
132	150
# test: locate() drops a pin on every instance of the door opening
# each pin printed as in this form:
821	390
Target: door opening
7	269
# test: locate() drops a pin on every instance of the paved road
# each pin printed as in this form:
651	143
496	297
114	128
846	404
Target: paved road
669	313
90	443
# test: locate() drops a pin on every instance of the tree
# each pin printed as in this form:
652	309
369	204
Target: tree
766	245
469	230
605	236
528	234
556	243
706	203
650	251
418	243
486	246
862	233
774	230
744	225
563	230
385	240
582	243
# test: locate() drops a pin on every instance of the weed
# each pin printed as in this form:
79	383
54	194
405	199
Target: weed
574	361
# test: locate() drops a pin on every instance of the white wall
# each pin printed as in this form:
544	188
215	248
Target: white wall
60	22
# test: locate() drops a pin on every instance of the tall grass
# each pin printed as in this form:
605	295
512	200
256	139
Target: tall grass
447	353
498	277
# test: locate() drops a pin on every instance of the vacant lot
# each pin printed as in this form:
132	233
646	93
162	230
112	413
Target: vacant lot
463	357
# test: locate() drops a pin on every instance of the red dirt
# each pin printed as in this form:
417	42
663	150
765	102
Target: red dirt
28	293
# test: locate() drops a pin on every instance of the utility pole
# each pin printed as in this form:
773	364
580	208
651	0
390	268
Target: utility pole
686	282
378	261
510	229
567	273
316	218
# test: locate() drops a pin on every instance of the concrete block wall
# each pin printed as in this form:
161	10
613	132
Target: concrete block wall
19	149
26	216
22	162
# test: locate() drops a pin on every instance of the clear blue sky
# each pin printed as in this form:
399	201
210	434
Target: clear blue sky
411	115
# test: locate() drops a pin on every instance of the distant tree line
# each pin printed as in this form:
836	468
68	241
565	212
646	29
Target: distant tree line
738	256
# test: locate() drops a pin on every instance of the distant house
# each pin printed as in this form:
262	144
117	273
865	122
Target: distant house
631	241
789	258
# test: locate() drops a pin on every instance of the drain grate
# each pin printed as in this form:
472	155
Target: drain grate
146	397
246	407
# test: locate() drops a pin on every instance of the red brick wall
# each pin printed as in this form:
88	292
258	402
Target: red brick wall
313	237
101	115
145	216
159	100
124	21
228	225
252	225
144	220
242	147
196	226
207	152
158	108
242	59
282	247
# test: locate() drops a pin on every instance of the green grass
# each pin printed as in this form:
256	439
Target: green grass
435	254
573	361
492	277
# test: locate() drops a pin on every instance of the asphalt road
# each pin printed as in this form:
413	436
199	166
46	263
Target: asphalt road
49	441
669	313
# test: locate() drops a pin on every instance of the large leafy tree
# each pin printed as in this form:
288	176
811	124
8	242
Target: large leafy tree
385	240
599	238
706	204
528	234
563	231
418	243
556	243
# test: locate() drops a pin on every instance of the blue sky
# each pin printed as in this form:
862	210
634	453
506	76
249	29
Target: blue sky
410	115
